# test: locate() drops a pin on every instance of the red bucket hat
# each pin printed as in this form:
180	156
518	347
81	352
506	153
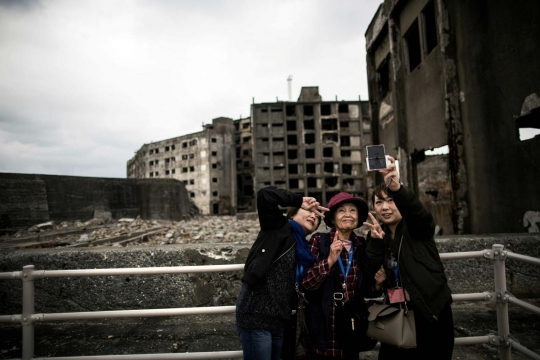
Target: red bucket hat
343	198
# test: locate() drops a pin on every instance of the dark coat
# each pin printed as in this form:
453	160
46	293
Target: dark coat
268	294
420	266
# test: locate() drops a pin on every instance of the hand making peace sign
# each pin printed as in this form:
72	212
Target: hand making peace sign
376	230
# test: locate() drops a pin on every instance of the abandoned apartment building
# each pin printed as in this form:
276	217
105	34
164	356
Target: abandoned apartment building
463	75
310	146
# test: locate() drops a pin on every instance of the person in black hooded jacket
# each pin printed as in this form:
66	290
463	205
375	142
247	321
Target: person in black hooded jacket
279	254
418	267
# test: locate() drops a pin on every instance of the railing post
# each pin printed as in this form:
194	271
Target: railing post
27	312
503	324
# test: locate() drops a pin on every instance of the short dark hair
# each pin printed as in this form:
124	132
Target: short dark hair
380	191
291	211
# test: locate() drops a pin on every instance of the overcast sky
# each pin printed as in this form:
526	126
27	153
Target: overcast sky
84	84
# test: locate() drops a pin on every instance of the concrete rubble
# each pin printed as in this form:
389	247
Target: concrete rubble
103	231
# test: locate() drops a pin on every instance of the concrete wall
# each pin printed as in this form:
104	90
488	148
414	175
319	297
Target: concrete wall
27	200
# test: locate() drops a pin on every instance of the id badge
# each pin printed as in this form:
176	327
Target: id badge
396	295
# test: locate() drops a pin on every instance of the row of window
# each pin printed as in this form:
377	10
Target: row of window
326	125
214	193
184	145
326	109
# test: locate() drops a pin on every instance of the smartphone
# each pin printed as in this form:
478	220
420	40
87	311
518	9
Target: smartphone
376	158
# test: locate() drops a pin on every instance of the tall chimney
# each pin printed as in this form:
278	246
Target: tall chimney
289	80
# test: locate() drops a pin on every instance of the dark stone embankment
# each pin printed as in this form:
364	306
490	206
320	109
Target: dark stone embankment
196	333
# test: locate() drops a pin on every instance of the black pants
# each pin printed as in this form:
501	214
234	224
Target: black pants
434	340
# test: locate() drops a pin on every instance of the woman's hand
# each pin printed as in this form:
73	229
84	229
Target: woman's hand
391	175
376	230
335	250
311	204
380	277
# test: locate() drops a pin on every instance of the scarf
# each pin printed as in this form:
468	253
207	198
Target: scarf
304	257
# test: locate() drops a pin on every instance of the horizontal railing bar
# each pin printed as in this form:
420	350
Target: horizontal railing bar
522	349
471	340
463	255
10	318
143	271
11	275
199	355
473	296
525	258
524	305
133	313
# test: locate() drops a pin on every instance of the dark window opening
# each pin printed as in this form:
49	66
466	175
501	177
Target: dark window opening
264	125
214	140
246	164
291	125
311	168
265	139
193	142
345	153
245	152
290	110
276	109
156	151
412	42
184	157
332	137
184	144
245	125
167	148
214	193
236	126
191	156
246	139
248	190
345	141
330	194
238	152
192	194
173	171
326	109
215	209
214	153
264	110
346	169
311	182
185	182
310	153
343	108
293	183
293	168
309	124
430	26
192	182
156	162
329	167
308	110
344	124
328	152
150	163
150	152
167	160
157	173
349	182
191	168
214	166
267	183
292	140
185	170
214	180
292	154
329	124
173	147
383	78
309	139
331	181
151	174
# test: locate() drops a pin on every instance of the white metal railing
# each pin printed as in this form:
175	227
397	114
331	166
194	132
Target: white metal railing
29	317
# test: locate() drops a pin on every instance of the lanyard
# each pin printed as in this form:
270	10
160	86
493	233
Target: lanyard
345	273
299	270
396	273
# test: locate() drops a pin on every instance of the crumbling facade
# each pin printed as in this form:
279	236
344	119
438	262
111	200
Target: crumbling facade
203	161
244	165
456	74
310	146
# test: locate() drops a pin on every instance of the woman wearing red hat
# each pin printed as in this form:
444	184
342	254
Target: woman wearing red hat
337	283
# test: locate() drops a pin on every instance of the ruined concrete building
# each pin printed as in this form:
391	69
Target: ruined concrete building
311	146
462	74
244	165
203	161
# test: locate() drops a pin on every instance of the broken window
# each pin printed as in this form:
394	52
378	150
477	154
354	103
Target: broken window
328	152
293	183
192	194
157	173
412	46
167	172
293	168
167	160
192	182
311	168
264	110
156	150
310	153
185	182
329	124
191	156
309	124
214	166
430	26
248	190
383	78
246	139
173	147
331	181
191	168
277	109
245	125
292	154
346	169
309	139
330	137
156	162
345	141
173	158
308	110
214	140
290	110
184	169
344	124
214	193
348	182
329	167
151	163
166	148
185	144
184	157
326	110
311	182
214	153
151	174
345	153
173	171
246	164
214	180
291	125
151	152
238	152
245	152
343	108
